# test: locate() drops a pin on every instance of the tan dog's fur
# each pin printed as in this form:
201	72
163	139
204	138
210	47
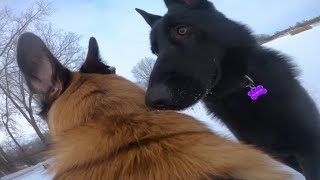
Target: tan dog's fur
102	130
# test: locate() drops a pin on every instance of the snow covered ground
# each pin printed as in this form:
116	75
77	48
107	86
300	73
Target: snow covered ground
303	48
36	172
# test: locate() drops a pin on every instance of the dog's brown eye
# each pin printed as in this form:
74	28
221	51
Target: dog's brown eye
182	30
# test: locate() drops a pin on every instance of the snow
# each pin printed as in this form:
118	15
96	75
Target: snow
36	172
304	50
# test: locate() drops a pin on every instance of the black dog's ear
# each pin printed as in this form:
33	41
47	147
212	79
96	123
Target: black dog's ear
43	73
93	62
149	18
189	3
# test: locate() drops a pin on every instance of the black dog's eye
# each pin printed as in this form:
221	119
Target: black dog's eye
182	30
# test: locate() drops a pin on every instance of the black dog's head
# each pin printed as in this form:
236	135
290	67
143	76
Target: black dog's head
193	42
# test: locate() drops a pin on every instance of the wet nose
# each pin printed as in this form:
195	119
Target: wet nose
158	97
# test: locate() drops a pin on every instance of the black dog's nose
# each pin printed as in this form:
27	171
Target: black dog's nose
158	97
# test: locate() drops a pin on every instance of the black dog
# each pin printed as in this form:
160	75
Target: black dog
202	55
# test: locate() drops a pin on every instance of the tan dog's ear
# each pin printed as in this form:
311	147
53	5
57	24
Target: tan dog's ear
93	62
44	74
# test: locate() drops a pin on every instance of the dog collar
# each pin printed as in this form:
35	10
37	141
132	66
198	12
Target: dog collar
246	83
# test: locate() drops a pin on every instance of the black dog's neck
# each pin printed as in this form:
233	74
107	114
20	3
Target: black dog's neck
245	83
234	72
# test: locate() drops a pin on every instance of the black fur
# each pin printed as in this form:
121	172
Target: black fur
209	63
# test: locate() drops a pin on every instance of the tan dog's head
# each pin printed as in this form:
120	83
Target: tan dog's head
70	98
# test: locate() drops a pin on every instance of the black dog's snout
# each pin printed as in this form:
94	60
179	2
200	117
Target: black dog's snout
158	97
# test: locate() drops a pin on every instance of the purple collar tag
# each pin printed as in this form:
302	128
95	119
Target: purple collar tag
254	93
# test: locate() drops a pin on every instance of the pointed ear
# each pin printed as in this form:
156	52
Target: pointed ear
93	62
189	3
43	73
149	18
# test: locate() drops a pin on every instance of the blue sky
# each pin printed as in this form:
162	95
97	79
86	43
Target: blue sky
123	36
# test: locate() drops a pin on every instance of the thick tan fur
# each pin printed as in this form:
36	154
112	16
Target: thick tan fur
101	129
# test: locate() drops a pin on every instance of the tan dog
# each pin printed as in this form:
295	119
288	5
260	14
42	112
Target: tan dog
101	129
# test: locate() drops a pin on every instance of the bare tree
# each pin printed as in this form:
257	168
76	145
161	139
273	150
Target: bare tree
12	130
64	45
13	25
16	102
142	71
5	164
